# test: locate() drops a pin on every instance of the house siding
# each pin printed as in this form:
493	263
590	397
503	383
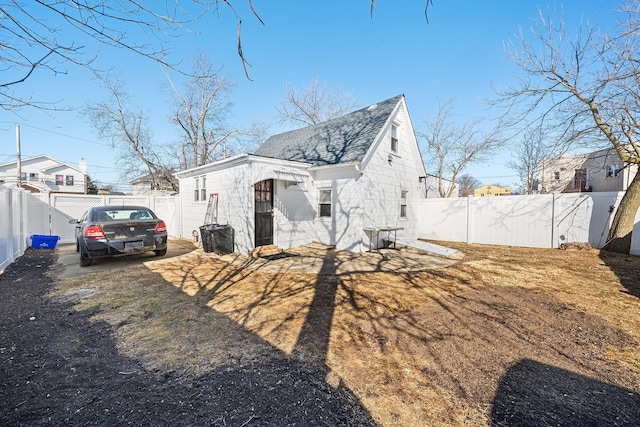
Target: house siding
294	214
343	229
234	206
384	180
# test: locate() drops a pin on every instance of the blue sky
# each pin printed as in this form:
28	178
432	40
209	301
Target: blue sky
457	54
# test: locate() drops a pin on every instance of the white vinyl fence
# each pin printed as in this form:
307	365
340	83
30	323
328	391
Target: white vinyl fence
14	224
540	221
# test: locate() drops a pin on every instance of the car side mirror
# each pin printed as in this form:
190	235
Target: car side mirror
74	221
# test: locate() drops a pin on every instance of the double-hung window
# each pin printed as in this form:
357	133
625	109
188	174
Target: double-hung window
200	189
394	138
612	171
403	204
69	180
59	179
324	203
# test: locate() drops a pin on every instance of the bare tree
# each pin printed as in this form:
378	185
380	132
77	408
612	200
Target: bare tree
533	148
586	85
52	36
251	139
41	35
200	113
129	133
316	103
467	184
451	147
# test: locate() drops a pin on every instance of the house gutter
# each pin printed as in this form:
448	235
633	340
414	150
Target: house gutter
236	160
356	165
220	164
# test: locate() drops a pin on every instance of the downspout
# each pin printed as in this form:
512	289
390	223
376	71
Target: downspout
358	168
18	157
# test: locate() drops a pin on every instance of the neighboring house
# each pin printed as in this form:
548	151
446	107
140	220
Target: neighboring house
43	174
148	185
327	183
491	190
598	171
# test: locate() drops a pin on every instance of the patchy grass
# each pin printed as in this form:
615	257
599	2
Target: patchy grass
434	347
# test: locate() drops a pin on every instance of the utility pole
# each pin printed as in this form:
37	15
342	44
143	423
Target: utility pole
18	163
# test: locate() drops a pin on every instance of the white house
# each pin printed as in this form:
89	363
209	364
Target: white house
147	185
598	171
43	174
331	183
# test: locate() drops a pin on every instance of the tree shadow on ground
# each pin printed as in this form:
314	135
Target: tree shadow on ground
534	393
64	368
626	267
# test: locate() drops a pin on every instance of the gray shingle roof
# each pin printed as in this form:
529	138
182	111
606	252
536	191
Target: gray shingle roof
341	140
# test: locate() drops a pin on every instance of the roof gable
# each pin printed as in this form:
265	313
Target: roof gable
345	139
48	164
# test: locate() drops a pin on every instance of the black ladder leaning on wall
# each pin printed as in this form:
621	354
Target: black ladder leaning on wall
211	217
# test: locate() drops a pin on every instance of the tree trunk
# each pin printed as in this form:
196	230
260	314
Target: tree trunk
619	238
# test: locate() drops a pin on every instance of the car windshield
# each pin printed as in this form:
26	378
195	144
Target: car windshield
123	215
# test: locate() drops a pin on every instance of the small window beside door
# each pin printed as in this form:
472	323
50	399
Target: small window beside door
324	203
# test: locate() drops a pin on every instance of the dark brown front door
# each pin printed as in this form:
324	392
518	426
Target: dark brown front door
264	212
580	179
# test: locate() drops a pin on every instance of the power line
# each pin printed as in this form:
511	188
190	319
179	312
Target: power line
65	135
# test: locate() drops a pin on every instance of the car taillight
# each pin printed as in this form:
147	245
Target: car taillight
94	232
161	227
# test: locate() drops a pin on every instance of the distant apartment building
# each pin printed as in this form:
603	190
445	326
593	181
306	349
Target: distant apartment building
43	174
491	190
598	171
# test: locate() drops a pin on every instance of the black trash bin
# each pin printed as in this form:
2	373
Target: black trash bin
217	238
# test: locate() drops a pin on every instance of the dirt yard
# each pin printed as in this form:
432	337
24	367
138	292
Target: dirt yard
504	336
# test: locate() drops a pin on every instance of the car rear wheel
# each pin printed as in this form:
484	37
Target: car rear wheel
161	252
85	260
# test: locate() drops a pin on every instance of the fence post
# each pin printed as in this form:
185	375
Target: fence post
553	219
468	218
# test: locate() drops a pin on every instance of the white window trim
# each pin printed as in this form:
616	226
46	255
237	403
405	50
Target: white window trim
199	195
320	190
406	204
395	129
